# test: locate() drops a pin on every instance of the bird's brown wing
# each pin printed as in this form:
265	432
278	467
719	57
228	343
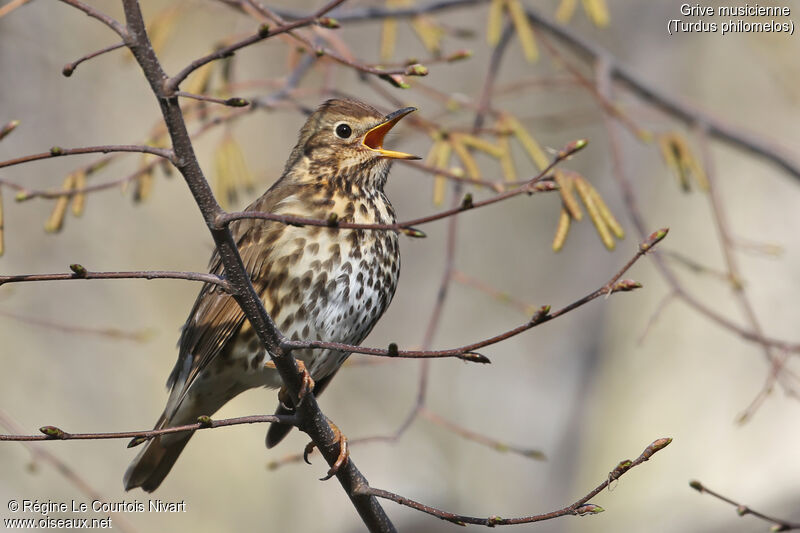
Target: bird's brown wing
216	317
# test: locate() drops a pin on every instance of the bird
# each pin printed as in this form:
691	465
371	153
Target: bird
316	282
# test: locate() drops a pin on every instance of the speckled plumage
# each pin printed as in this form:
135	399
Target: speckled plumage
316	282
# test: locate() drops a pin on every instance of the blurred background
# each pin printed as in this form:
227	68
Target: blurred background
586	390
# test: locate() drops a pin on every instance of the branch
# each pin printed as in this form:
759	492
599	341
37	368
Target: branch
533	185
141	335
467	352
118	28
579	508
604	87
312	421
410	70
204	422
80	272
738	137
263	32
741	509
69	68
71	475
367	14
57	151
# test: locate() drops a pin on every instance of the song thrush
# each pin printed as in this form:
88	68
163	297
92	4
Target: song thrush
316	282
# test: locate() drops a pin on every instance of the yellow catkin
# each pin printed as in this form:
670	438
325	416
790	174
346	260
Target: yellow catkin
687	164
161	26
506	161
56	220
2	233
428	32
473	172
388	38
241	172
584	191
494	25
680	167
440	182
98	165
524	30
567	189
699	175
226	191
561	230
527	141
667	152
680	158
609	218
143	185
565	10
482	145
79	199
389	30
597	11
199	80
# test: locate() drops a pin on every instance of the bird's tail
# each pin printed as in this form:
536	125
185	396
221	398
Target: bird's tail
277	432
154	462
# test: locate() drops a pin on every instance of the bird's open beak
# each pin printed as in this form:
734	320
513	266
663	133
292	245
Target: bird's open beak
373	139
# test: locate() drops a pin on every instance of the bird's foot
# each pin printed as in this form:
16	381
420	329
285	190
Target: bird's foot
308	383
306	387
344	452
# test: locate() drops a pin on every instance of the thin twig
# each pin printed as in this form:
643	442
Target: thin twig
40	453
310	417
136	336
102	17
11	6
738	137
467	352
141	274
474	436
580	507
370	13
734	273
69	68
57	151
778	523
262	33
629	197
230	102
532	186
49	433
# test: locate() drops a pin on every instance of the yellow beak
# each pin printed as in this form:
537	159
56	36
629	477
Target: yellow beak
373	139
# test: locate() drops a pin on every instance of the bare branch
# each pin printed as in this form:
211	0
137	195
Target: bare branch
312	421
102	17
231	102
263	32
579	508
50	433
366	14
742	510
467	352
40	453
57	151
532	186
69	68
738	137
79	272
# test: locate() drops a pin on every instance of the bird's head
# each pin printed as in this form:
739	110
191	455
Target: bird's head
343	139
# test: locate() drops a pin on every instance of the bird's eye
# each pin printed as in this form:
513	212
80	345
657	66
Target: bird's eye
343	131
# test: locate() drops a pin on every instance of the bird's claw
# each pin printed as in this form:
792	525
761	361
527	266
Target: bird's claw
308	383
341	460
306	386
